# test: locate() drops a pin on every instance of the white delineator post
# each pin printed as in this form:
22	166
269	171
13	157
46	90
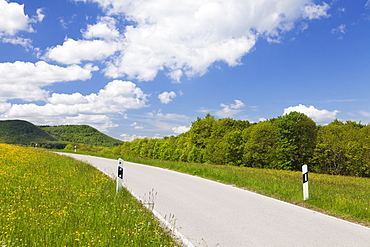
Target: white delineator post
305	181
119	175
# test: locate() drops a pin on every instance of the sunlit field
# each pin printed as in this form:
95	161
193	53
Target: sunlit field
49	200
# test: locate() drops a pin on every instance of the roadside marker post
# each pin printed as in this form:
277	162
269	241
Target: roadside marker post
120	172
305	182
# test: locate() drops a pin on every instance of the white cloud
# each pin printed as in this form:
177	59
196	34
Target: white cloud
75	51
339	30
40	15
262	119
180	129
319	116
136	126
168	116
24	80
95	109
100	122
104	29
166	97
230	110
4	106
314	11
367	5
365	113
26	43
13	18
156	121
130	138
67	99
186	38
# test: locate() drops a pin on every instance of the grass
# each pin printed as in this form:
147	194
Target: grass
344	197
49	200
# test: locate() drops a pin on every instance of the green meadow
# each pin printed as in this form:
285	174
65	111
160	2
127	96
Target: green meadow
49	200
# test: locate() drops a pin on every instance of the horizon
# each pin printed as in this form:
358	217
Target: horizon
149	69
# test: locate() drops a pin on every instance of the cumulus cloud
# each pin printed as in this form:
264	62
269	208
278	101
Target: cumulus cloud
230	110
13	19
180	129
96	108
104	29
186	38
24	80
75	51
67	99
319	116
166	97
4	106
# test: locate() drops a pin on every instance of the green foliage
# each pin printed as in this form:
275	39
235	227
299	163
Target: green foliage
83	134
69	147
260	147
54	137
23	132
343	148
296	134
286	143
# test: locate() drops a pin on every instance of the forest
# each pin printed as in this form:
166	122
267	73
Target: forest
285	143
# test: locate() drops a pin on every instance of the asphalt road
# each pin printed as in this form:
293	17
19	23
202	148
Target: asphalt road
208	213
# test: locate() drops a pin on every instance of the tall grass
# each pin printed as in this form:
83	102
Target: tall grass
49	200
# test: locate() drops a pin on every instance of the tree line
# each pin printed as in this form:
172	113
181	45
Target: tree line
286	143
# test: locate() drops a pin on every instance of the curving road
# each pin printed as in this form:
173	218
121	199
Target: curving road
208	213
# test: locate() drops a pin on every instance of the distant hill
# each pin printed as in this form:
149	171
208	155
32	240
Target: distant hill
22	132
25	133
81	134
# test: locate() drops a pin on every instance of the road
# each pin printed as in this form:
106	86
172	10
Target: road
208	213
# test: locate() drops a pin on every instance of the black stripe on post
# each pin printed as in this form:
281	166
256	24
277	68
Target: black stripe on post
305	177
120	172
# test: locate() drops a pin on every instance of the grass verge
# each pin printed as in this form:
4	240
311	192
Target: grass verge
343	197
49	200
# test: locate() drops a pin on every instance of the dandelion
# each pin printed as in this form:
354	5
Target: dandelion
49	200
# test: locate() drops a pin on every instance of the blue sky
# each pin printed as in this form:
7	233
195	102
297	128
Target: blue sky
148	68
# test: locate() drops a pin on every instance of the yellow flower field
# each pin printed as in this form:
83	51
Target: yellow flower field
50	200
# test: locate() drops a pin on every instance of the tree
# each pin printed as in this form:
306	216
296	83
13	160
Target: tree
201	131
342	149
296	135
233	148
260	144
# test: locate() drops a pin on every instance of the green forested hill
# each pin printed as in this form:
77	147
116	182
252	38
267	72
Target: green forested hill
25	133
81	134
22	132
